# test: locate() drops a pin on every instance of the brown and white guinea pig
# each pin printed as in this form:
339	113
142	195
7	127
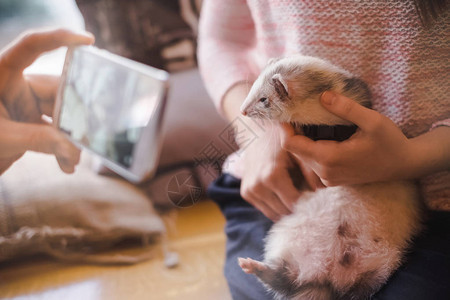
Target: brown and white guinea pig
340	242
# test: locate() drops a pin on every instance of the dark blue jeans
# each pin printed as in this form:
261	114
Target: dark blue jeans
424	275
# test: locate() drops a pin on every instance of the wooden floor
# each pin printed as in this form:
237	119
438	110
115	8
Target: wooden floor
198	239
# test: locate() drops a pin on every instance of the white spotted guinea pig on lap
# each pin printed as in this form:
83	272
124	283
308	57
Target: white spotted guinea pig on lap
340	242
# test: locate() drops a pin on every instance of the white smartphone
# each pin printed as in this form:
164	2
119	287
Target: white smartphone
113	107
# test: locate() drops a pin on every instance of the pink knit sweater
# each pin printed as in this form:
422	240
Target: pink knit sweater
383	42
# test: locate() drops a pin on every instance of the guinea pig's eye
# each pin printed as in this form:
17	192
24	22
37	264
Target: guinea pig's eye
263	100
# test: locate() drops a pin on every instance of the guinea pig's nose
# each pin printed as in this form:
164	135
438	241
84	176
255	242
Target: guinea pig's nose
244	112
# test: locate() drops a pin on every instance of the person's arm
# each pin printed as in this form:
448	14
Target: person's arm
227	38
378	151
429	152
225	43
23	99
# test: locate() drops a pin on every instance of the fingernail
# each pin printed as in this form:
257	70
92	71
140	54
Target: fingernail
86	34
328	98
90	36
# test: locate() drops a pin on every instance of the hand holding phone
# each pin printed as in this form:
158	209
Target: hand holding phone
24	98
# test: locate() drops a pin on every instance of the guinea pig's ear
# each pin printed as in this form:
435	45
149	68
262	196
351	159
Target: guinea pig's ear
280	86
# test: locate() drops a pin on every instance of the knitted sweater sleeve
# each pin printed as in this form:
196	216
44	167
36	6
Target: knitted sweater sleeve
445	122
226	38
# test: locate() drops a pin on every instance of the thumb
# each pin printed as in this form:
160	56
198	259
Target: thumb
299	145
45	139
347	109
286	132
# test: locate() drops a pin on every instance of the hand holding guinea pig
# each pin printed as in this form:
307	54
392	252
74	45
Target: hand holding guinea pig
268	186
378	151
266	182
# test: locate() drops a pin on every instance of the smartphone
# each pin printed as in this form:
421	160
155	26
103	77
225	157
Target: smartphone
112	107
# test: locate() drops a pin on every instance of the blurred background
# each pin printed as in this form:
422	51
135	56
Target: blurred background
158	33
38	203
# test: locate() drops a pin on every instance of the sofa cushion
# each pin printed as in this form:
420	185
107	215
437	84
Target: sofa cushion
43	210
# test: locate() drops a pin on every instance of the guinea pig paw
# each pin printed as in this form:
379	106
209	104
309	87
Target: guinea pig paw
251	266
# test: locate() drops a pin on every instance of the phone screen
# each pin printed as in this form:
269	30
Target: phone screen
106	105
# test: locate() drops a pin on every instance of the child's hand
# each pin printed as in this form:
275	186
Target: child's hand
25	98
378	151
266	181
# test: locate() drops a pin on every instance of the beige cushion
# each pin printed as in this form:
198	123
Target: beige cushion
43	210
